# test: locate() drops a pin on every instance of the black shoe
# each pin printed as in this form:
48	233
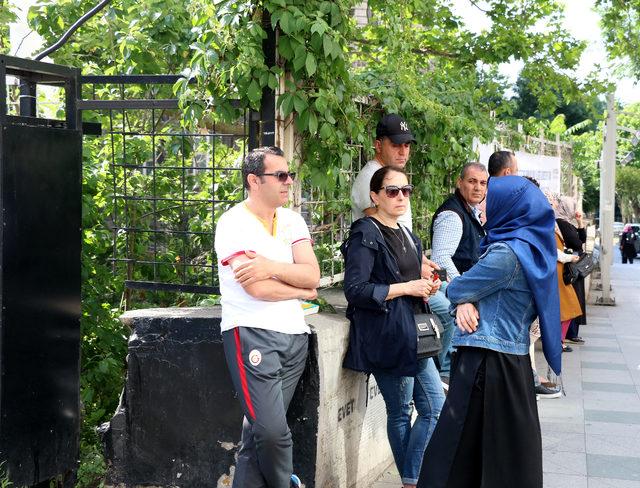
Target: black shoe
548	392
566	348
575	340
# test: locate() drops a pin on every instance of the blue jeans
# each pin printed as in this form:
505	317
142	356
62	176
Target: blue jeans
439	304
400	394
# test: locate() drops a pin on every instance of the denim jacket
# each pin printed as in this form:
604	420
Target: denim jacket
498	287
382	333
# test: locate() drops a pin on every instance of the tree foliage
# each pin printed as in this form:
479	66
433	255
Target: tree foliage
628	192
126	37
620	23
7	16
587	151
582	103
416	58
629	142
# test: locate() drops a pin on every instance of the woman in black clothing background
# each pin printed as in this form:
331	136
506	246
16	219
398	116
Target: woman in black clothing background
627	244
574	233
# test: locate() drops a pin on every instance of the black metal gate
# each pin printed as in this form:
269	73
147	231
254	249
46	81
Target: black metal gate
40	193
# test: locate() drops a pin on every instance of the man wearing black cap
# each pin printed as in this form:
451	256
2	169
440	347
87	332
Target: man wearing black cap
392	148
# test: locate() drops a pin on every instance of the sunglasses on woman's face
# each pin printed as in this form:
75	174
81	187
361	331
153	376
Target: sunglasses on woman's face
392	190
282	176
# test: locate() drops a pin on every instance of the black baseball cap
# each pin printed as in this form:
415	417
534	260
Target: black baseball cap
395	128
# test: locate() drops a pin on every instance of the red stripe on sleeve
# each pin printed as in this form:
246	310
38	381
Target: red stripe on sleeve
243	374
303	239
225	261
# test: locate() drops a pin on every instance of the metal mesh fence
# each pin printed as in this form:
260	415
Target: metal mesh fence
168	186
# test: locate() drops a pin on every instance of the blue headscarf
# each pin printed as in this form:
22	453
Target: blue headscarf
519	215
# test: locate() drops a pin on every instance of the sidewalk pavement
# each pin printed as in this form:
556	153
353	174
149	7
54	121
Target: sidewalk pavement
591	437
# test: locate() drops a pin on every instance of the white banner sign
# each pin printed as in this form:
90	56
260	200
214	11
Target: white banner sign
545	169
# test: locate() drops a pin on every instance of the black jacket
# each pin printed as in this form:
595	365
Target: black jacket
382	334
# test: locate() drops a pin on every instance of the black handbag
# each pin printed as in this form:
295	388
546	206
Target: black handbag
428	328
580	269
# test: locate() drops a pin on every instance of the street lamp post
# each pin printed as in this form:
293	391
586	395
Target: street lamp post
607	202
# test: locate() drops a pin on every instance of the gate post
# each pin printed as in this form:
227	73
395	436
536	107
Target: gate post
262	124
40	241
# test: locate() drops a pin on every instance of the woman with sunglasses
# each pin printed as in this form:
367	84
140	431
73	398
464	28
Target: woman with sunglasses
384	290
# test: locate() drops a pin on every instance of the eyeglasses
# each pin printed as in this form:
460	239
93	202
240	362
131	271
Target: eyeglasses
282	176
393	190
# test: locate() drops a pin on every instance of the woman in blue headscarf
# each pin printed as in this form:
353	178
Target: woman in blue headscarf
488	434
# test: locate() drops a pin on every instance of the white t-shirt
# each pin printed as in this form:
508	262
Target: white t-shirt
239	230
361	199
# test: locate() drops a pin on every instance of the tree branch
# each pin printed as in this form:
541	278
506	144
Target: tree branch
478	7
423	51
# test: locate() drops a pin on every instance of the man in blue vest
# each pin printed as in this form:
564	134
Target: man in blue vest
456	230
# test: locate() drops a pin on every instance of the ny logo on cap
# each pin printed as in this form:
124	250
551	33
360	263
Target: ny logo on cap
404	126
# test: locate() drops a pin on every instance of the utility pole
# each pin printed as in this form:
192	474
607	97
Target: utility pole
607	201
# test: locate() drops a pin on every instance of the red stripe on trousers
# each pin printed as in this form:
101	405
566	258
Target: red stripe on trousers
243	374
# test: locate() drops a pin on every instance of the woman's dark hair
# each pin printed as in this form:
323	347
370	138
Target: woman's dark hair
378	177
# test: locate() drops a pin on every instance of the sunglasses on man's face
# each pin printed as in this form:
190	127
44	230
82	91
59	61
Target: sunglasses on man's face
282	176
392	190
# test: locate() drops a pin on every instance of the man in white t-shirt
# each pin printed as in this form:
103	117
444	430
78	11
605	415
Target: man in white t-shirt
392	148
266	265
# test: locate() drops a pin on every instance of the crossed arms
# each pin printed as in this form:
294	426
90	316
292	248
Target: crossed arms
272	281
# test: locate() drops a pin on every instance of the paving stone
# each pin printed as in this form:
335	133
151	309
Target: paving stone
596	365
607	376
617	467
600	348
609	428
612	416
555	480
588	335
559	441
613	445
571	463
610	387
611	483
552	427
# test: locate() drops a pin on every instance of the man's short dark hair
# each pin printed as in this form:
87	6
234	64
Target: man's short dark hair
475	165
253	163
500	160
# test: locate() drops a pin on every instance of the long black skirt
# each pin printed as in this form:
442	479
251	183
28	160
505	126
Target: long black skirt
488	434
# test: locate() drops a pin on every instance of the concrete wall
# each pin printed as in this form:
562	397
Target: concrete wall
179	421
353	450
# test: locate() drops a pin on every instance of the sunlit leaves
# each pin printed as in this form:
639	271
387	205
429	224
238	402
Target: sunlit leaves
620	22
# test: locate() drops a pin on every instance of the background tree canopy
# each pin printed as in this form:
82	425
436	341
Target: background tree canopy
620	21
7	16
